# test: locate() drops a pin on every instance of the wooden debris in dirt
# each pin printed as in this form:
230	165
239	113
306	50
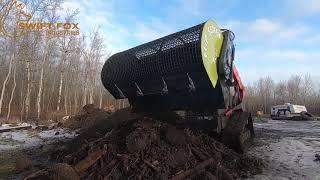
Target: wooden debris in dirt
149	149
87	162
189	172
59	171
23	164
42	174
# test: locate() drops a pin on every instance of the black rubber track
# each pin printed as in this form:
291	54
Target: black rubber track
239	124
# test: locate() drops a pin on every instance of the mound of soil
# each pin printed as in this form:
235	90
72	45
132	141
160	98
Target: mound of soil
144	148
87	117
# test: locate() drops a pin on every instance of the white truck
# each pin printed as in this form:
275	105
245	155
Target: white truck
290	112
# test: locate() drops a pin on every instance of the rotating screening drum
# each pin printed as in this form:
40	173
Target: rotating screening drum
176	72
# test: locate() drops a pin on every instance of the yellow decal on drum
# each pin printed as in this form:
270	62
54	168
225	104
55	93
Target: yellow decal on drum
211	43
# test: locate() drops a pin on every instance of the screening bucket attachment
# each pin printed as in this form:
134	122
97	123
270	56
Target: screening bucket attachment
176	72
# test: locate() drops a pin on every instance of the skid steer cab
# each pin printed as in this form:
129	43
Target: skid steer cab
191	71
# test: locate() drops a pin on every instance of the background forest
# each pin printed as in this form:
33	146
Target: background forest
44	76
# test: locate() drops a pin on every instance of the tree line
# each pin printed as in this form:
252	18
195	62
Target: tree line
41	74
301	90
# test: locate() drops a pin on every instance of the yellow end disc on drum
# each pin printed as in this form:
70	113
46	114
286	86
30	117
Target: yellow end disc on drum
211	43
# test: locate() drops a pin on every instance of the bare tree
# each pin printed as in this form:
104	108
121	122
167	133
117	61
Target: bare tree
307	88
281	93
294	89
12	92
45	57
4	84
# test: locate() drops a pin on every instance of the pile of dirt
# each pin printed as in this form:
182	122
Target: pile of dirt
87	117
144	148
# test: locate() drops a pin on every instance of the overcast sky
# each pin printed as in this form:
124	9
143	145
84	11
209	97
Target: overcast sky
273	38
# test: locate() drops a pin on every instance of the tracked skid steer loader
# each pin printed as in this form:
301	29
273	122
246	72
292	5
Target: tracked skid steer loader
191	71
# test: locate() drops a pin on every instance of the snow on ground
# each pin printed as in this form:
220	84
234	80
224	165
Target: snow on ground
62	134
5	126
30	138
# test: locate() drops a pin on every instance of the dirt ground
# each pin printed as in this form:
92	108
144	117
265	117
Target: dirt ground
288	149
137	146
123	145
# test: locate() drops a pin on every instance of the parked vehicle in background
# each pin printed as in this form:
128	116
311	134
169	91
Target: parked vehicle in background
290	112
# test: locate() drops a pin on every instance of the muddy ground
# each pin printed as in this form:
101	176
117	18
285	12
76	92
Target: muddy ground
288	149
31	146
144	148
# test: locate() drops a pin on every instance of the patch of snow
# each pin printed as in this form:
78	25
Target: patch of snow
62	134
24	124
26	138
18	139
65	118
5	126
